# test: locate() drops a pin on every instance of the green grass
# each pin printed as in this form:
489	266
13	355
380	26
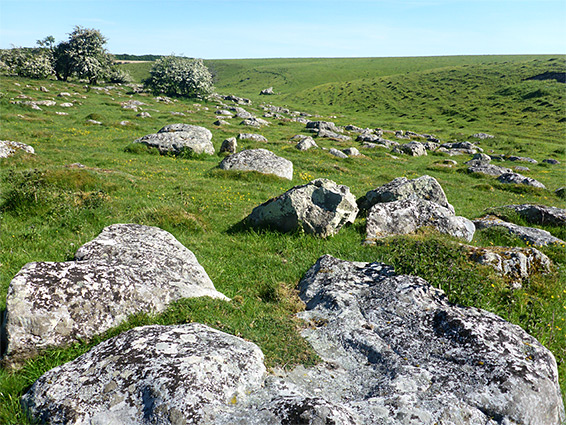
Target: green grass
49	208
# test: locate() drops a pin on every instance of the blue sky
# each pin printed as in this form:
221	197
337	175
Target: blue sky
214	29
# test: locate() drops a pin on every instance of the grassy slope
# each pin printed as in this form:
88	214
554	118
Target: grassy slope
48	213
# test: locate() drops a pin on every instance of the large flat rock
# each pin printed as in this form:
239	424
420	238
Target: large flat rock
178	138
532	235
127	269
260	160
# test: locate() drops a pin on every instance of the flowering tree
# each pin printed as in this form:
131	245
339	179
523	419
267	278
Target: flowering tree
177	76
83	55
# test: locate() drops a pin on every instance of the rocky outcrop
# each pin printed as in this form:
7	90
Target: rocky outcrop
127	269
489	169
515	264
424	187
153	374
323	125
411	148
320	207
9	148
397	351
393	350
533	236
260	160
514	178
407	215
267	91
178	138
541	215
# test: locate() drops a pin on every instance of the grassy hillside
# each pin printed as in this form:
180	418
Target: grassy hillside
49	207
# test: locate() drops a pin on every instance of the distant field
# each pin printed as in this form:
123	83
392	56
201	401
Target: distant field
446	95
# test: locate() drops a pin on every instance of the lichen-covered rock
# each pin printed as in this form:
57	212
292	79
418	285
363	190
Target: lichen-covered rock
176	138
351	151
229	145
514	263
337	153
489	169
407	215
396	351
323	125
320	207
260	160
9	148
252	136
254	122
533	236
152	374
537	214
305	143
411	148
424	187
127	269
515	158
515	178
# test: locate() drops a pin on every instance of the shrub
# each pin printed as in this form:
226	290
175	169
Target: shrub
176	76
27	62
120	76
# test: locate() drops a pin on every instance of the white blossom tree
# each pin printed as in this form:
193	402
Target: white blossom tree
178	76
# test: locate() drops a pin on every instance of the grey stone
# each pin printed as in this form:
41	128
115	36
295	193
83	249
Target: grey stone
267	91
320	207
144	115
176	138
483	136
462	145
397	352
323	125
522	169
152	374
223	112
479	158
515	178
533	236
260	160
221	122
489	169
229	145
551	161
561	192
94	122
9	148
327	134
407	215
338	153
411	148
305	143
521	159
424	187
127	269
66	105
351	152
537	214
253	137
515	264
255	122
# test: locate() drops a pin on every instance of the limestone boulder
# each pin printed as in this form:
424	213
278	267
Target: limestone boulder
411	148
229	145
337	153
260	160
396	351
9	148
127	269
306	143
407	215
486	168
268	91
253	137
424	187
320	207
532	235
178	138
515	178
514	263
541	215
152	374
323	125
